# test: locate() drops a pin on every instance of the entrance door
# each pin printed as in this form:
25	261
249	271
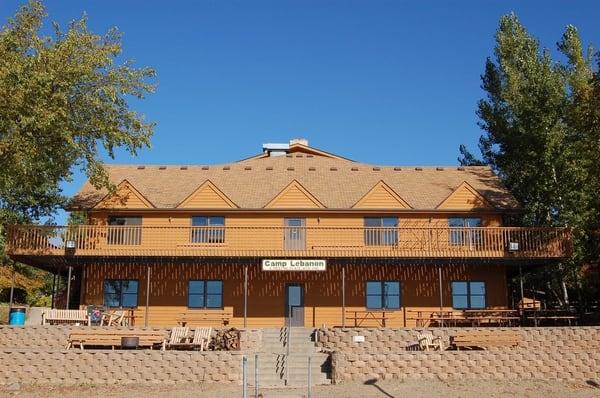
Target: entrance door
294	304
294	234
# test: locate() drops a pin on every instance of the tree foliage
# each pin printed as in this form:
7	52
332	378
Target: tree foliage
63	99
63	103
541	122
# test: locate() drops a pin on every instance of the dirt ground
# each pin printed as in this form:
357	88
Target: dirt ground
380	389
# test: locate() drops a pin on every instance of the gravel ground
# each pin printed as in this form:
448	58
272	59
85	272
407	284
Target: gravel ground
381	389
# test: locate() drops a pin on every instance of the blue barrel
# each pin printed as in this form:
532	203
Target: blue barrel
17	316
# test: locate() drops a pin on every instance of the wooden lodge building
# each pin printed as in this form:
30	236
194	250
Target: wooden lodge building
293	230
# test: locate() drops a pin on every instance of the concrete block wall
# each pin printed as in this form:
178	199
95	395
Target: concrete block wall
514	364
388	340
105	367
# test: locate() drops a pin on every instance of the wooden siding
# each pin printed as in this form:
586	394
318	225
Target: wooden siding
381	196
266	290
464	197
207	196
294	196
125	197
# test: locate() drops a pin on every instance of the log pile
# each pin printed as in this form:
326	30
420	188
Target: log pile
225	340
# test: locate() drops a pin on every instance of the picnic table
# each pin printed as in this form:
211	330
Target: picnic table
112	338
484	339
554	316
210	317
500	317
359	317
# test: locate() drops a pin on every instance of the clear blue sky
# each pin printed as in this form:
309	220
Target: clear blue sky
389	82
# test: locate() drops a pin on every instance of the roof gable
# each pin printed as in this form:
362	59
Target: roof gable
294	196
207	196
381	196
126	196
464	197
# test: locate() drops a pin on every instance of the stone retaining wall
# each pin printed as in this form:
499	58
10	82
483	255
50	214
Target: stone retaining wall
389	340
514	364
564	353
103	367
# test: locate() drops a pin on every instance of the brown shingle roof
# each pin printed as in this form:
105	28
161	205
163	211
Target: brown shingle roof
336	183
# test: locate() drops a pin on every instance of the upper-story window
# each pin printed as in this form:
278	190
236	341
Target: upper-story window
381	231
208	229
461	232
126	231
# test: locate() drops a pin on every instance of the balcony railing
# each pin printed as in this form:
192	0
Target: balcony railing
279	241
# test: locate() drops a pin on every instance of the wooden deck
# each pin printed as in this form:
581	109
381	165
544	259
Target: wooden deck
254	241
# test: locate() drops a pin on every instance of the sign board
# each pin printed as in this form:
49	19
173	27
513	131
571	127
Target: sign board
294	265
358	339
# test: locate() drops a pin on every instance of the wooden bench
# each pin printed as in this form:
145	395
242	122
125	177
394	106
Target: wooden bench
112	338
484	339
205	317
65	316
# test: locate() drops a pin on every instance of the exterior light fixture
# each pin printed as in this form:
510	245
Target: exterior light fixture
70	244
513	246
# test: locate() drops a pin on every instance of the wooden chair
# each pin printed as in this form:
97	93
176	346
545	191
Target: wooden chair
113	318
427	341
178	337
201	338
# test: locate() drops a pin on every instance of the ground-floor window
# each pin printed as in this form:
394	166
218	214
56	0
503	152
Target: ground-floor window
121	293
205	294
468	295
383	295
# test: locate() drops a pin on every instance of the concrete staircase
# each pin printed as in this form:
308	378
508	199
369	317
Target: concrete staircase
275	367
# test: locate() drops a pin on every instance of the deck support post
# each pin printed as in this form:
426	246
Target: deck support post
70	273
53	289
245	296
12	288
147	295
441	294
521	286
343	296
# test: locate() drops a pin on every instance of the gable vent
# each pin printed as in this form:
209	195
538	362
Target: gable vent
226	168
162	167
419	168
288	156
247	168
310	156
290	169
269	168
312	169
141	167
397	168
204	167
299	156
439	168
333	168
376	168
183	168
354	169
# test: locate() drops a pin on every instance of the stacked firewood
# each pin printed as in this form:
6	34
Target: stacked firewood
225	340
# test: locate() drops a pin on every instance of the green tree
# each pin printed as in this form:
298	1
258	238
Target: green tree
62	98
541	134
63	101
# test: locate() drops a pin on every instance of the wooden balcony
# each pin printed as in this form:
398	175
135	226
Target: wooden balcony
294	242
